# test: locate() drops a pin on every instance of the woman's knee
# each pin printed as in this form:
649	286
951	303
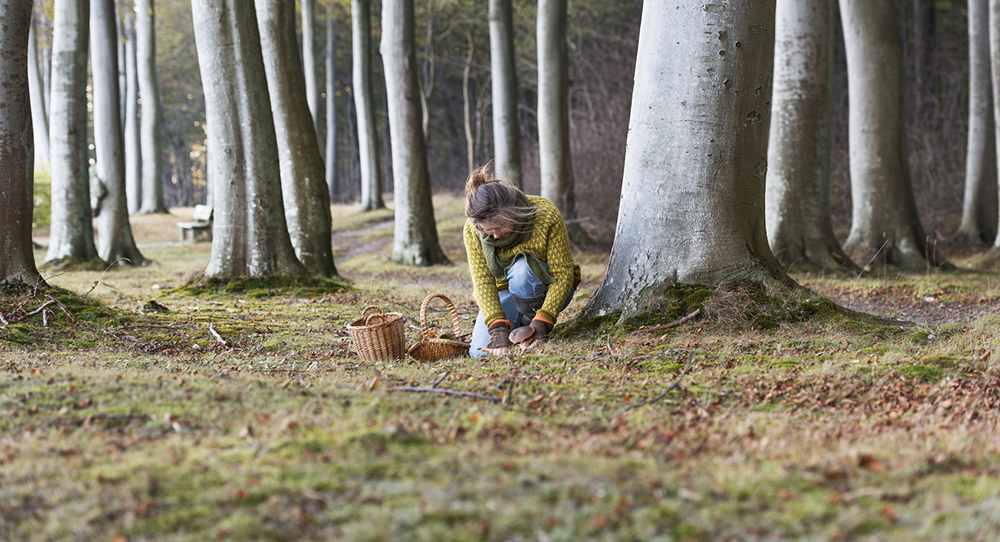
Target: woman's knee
522	282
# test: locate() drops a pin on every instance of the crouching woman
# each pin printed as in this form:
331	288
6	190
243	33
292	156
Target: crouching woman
522	271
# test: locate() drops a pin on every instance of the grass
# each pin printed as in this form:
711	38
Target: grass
126	425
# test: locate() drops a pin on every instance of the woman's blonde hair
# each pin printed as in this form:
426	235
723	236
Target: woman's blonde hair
488	199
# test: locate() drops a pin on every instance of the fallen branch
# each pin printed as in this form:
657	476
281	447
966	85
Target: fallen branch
218	337
673	324
670	388
445	391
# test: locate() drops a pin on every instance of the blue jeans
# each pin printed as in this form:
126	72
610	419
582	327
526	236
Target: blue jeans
522	283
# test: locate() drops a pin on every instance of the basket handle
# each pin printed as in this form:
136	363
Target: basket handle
380	315
425	331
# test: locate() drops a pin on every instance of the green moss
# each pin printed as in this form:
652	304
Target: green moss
874	350
938	360
923	373
305	285
785	364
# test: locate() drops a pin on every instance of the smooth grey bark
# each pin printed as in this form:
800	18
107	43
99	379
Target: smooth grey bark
797	196
506	130
994	23
467	106
885	225
122	76
151	126
115	243
308	60
303	184
979	204
251	236
17	262
415	238
71	234
39	114
331	106
692	205
364	103
554	156
133	145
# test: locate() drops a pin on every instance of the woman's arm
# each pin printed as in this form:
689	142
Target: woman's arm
484	284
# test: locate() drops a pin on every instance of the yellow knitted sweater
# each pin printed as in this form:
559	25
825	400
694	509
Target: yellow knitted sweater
548	241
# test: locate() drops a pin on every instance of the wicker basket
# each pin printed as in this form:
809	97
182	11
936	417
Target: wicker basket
430	348
378	336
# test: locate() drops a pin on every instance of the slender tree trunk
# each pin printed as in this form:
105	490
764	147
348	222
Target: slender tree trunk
133	145
331	106
979	205
152	110
115	242
303	185
885	226
39	109
364	101
923	41
17	262
415	238
309	60
71	234
470	138
122	75
799	228
692	206
553	108
506	130
251	235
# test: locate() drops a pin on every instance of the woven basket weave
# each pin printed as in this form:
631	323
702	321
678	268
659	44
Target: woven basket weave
430	348
378	336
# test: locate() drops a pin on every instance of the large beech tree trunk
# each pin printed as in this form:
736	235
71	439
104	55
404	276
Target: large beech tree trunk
71	234
885	227
115	241
308	60
415	238
692	205
979	204
303	185
331	106
251	236
799	227
506	130
553	107
17	262
152	111
39	109
364	102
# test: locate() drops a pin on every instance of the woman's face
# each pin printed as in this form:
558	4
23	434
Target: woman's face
499	229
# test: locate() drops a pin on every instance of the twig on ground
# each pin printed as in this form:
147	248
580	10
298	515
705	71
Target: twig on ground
211	327
445	391
673	324
510	390
670	388
440	379
41	308
3	320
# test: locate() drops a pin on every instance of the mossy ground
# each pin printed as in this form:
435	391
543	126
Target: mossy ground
132	424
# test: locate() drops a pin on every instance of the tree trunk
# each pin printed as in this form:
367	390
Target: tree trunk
39	115
799	227
133	146
979	206
994	36
17	262
71	234
152	110
303	184
331	106
415	238
885	225
692	206
470	138
364	101
122	75
506	131
923	44
308	61
553	108
251	235
115	242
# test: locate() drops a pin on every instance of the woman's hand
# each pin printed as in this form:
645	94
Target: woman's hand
500	351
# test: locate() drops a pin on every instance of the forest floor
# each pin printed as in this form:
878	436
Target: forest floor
243	413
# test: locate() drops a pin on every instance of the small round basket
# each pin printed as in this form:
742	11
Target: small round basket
379	336
431	348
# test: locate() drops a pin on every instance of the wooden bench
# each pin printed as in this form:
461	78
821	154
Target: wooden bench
201	226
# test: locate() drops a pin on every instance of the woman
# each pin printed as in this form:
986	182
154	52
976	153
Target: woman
522	271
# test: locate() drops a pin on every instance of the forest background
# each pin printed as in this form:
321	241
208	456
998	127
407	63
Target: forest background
453	35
